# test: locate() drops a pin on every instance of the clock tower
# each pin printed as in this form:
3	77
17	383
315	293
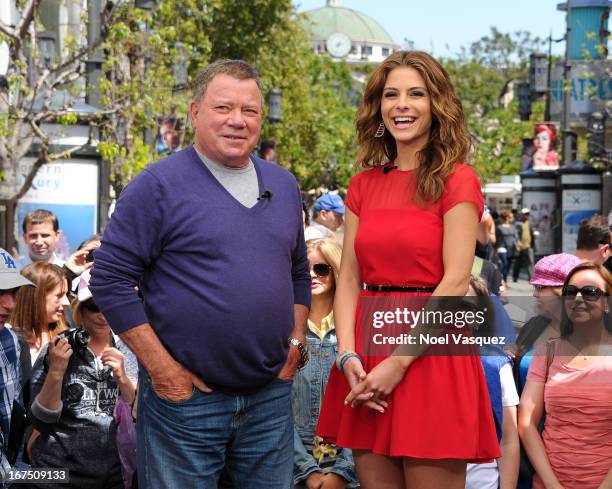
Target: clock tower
347	35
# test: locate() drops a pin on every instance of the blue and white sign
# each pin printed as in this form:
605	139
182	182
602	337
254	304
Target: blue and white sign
70	189
590	86
577	205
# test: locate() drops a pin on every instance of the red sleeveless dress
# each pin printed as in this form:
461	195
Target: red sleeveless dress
441	408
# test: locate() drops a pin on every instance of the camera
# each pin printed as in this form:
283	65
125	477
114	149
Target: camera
90	256
78	338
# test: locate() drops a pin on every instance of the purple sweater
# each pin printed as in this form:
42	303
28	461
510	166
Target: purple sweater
219	279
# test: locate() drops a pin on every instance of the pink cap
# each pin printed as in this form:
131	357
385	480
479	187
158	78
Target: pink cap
552	270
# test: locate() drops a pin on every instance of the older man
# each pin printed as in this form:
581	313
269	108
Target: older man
213	237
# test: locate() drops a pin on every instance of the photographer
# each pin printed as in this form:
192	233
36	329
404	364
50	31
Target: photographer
75	386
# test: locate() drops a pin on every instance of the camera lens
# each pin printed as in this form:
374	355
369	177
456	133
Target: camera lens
81	338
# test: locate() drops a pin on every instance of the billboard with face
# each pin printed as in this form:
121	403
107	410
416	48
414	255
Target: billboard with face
545	156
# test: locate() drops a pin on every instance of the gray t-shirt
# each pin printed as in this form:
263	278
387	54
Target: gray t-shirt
241	183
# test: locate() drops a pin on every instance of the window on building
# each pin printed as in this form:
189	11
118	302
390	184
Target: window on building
367	50
385	51
353	49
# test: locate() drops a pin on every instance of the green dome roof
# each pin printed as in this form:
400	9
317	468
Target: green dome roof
324	21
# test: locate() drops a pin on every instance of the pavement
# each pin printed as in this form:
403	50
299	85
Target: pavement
519	289
519	302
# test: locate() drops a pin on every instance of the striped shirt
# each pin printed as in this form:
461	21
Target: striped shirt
10	386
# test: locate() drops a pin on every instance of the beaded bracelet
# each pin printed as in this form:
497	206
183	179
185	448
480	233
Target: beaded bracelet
343	357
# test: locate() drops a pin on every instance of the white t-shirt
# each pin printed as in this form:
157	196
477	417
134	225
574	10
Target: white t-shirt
486	476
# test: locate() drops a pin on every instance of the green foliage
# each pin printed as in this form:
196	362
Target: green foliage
505	53
482	74
68	119
316	136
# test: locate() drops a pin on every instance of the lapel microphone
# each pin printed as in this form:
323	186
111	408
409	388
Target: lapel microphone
267	194
387	169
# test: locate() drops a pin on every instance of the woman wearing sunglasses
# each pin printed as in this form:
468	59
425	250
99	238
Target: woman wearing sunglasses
548	277
570	383
317	464
75	387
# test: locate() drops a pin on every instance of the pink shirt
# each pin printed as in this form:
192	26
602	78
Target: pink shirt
578	427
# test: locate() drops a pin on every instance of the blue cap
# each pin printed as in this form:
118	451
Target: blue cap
330	202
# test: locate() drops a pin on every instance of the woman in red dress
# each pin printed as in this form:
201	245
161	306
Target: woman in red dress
411	223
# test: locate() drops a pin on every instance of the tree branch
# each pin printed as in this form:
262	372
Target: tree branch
38	131
75	57
27	17
67	153
54	114
23	148
8	32
43	157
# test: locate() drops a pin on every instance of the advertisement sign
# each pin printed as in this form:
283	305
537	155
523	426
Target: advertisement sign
168	135
577	205
70	189
590	86
545	156
542	206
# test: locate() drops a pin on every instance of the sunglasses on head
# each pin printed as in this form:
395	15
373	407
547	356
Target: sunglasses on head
588	292
321	269
90	306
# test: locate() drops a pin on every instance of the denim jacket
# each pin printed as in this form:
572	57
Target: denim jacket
308	389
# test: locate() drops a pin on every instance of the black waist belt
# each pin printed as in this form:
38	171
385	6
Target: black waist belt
396	288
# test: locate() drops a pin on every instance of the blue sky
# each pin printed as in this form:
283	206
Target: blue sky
442	26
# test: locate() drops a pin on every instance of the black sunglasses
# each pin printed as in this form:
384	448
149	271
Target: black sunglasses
588	292
90	306
321	269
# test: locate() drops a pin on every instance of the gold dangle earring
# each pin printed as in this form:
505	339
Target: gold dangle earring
380	131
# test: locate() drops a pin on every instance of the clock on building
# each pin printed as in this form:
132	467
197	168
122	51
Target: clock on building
338	45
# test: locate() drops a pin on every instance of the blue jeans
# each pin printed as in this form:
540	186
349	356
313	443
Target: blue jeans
186	444
503	264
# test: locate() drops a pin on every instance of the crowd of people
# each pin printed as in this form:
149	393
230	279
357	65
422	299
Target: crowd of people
214	336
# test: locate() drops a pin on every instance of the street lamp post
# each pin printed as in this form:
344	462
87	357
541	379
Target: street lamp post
565	117
548	78
524	96
46	47
95	58
596	131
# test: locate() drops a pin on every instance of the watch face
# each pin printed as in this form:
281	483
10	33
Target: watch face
338	45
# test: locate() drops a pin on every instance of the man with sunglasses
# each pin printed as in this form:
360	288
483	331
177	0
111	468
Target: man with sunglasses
594	241
213	237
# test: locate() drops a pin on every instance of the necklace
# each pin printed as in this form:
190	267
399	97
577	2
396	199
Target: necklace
584	355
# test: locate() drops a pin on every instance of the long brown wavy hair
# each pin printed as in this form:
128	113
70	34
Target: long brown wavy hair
30	314
449	140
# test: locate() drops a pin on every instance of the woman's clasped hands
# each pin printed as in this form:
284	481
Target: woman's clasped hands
372	389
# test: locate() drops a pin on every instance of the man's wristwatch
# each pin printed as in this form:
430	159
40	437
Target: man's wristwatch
300	348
